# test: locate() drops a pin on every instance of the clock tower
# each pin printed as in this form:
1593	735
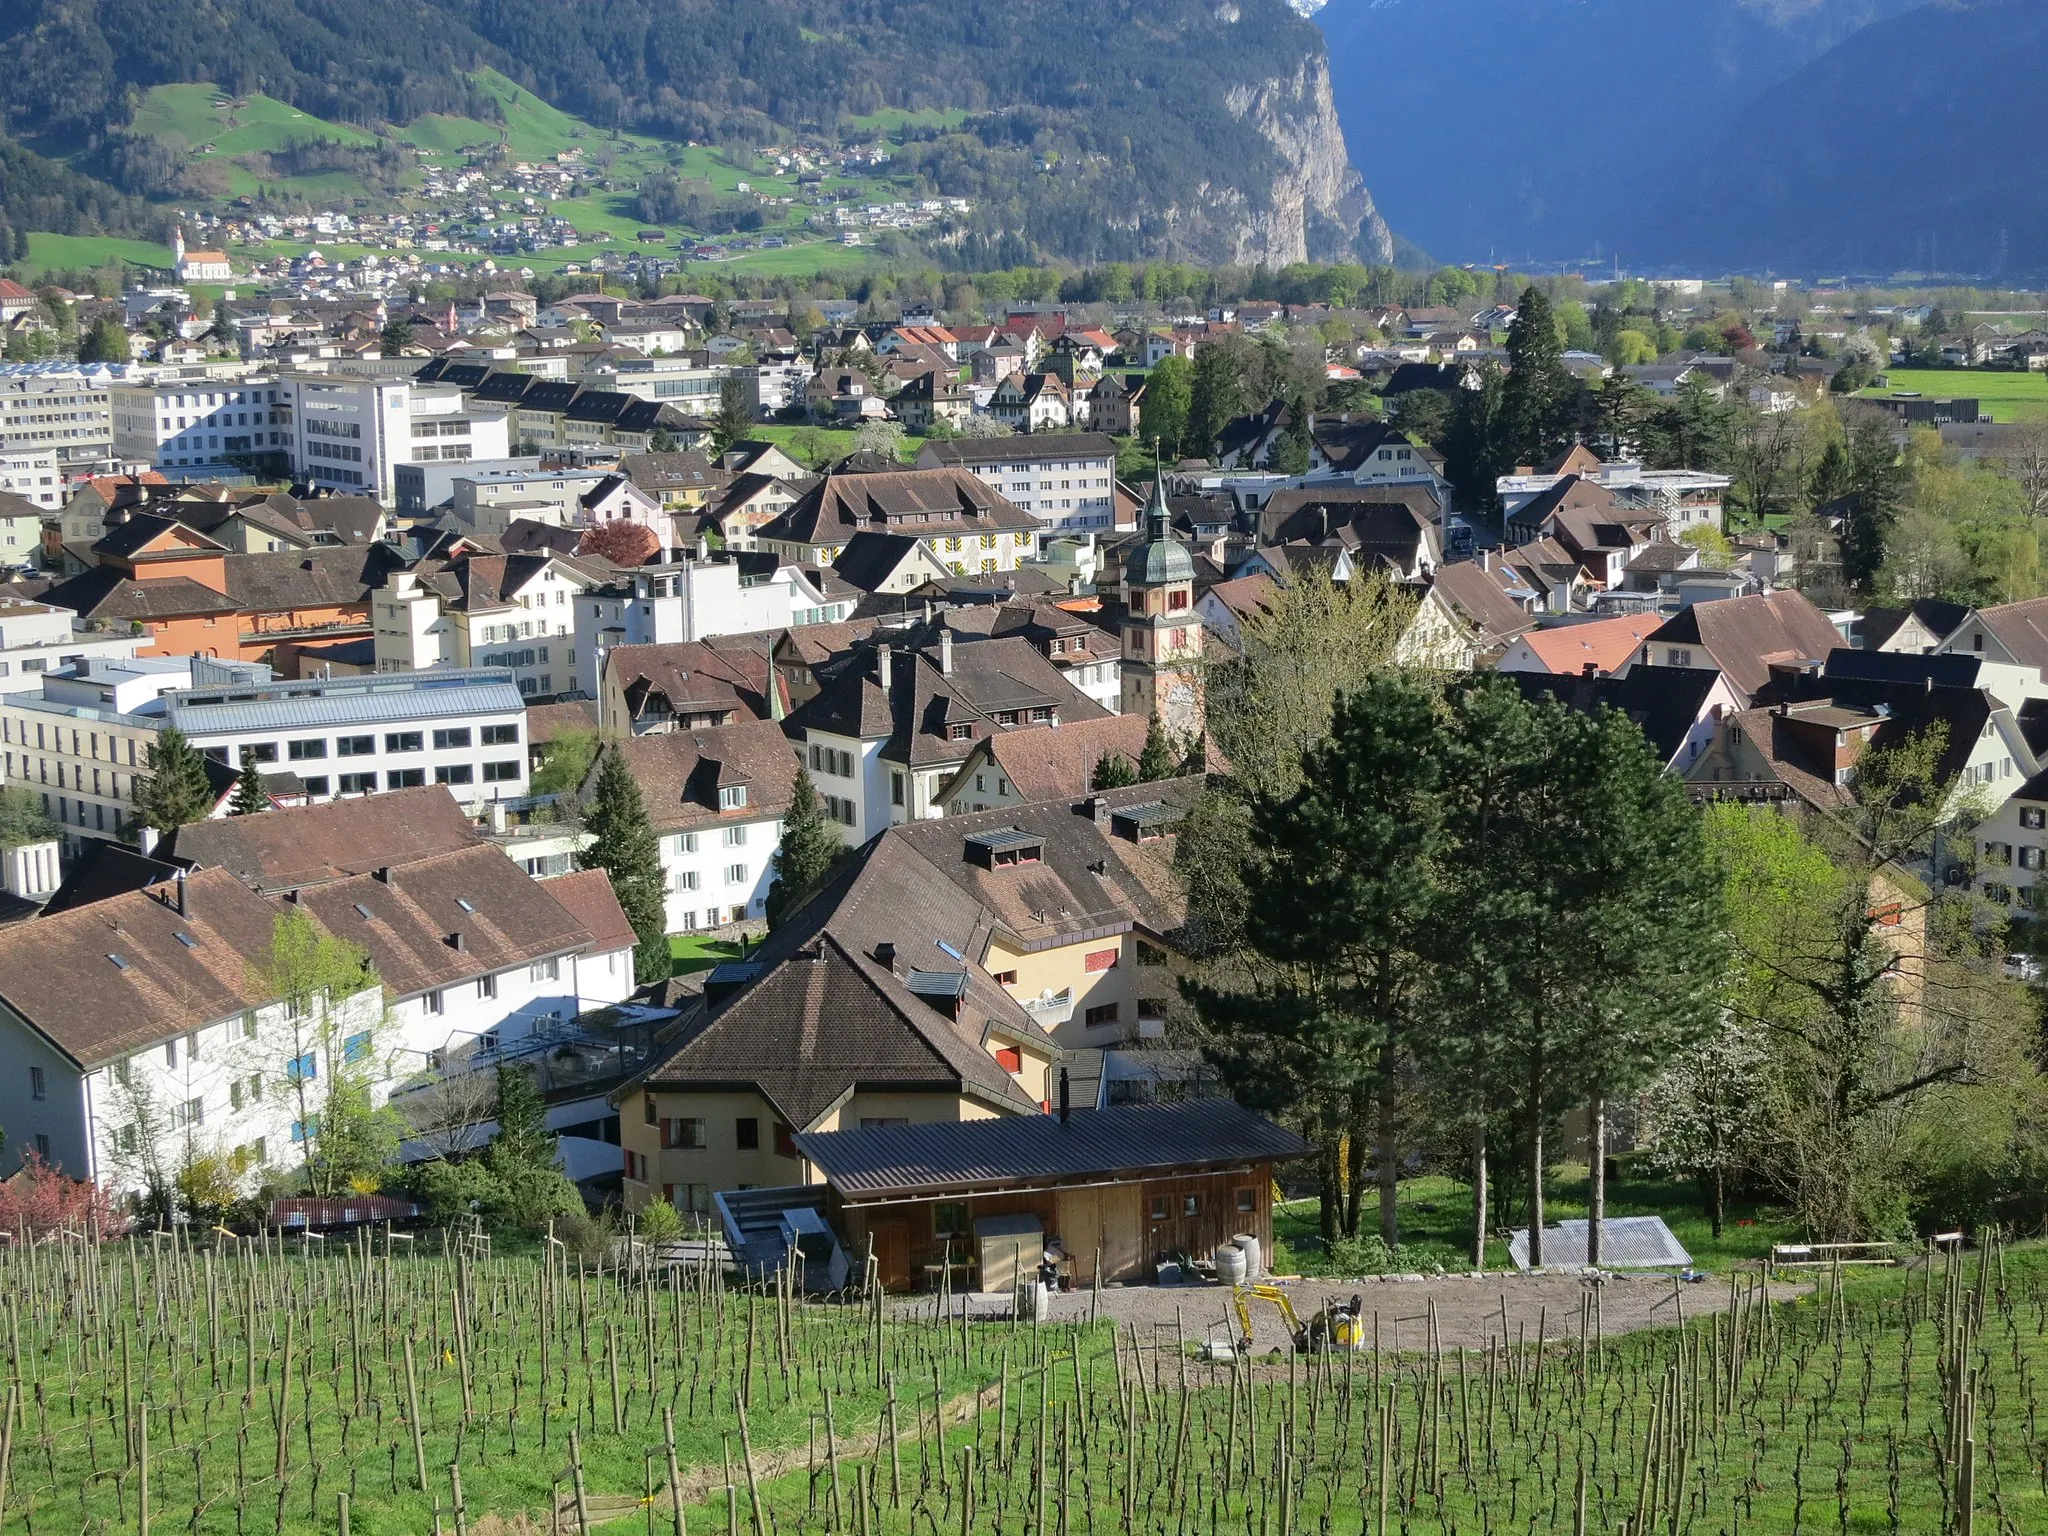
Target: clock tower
1162	633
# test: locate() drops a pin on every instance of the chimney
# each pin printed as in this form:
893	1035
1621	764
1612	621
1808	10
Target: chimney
882	667
946	652
1066	1098
1486	560
383	875
885	955
1590	669
1098	810
178	884
458	942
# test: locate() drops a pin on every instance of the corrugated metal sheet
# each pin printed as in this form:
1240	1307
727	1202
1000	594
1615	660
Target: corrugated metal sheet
1026	1149
364	708
1626	1242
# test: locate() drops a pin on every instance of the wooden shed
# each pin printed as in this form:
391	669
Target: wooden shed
1124	1188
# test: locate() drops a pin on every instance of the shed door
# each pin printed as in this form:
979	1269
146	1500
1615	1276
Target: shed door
1123	1232
1077	1221
892	1253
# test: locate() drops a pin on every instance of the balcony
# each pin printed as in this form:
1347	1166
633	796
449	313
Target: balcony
1050	1008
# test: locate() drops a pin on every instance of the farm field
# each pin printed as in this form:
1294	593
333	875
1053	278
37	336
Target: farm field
252	1387
2006	396
51	253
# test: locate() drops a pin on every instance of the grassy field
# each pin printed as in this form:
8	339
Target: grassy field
894	119
201	115
2006	396
53	253
246	1389
1436	1225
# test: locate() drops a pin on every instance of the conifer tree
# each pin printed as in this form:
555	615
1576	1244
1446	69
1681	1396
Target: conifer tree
624	847
1113	771
811	841
1156	761
250	797
1536	402
176	790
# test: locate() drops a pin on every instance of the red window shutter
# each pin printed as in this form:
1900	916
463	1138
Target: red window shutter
1010	1059
628	1159
1102	960
668	1133
785	1143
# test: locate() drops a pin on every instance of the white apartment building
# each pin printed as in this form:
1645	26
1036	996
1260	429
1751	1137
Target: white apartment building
350	433
695	600
60	408
150	1026
36	639
185	423
33	477
1067	482
80	742
520	618
684	382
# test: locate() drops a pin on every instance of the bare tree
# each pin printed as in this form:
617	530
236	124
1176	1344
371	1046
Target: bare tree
2025	460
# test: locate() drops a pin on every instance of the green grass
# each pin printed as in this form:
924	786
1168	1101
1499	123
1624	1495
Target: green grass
891	119
257	125
692	952
2006	396
53	253
1436	1224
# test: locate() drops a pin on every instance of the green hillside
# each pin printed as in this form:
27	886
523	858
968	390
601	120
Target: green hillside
201	117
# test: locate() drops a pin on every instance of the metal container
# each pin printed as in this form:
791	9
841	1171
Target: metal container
1248	1245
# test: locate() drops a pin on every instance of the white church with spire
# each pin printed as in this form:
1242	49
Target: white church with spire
198	266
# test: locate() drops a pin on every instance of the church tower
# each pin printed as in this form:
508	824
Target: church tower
1162	633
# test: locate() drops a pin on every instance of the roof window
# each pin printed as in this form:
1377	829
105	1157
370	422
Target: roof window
1005	847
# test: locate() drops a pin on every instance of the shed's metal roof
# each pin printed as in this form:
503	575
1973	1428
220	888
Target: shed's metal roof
1040	1149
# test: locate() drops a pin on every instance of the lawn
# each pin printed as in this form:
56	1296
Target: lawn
894	119
692	952
1436	1224
2005	396
54	253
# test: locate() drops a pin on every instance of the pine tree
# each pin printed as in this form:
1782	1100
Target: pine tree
735	418
176	791
811	842
1536	404
624	847
1113	771
250	797
1156	761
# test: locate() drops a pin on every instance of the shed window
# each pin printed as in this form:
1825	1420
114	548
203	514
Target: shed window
949	1219
1160	1207
1247	1201
1191	1205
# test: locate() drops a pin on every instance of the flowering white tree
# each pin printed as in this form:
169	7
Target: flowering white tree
1707	1115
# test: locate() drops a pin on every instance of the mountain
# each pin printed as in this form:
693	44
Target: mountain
1912	146
1084	129
1535	129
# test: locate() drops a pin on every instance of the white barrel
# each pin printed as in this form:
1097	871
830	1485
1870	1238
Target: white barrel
1230	1265
1249	1246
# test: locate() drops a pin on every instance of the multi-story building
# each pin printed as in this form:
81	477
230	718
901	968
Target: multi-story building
33	476
550	415
964	525
36	639
696	599
80	742
185	423
517	612
352	433
715	797
422	487
1068	483
60	408
492	502
21	529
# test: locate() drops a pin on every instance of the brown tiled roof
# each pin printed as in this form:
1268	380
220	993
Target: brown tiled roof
1246	595
587	896
1479	600
681	772
1043	762
696	675
1744	635
59	973
448	918
104	593
921	501
2022	628
312	844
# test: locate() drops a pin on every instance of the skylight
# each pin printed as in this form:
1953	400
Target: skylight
119	963
463	903
186	939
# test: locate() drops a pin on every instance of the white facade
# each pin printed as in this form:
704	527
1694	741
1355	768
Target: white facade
36	639
183	423
63	409
491	503
1069	493
348	433
718	875
422	487
531	633
33	476
462	727
693	600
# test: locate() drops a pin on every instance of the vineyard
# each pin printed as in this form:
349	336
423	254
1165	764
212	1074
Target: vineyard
259	1388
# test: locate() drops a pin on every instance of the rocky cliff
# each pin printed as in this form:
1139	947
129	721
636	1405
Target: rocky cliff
1320	209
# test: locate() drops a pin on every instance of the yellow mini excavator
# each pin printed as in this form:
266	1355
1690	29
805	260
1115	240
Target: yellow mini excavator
1337	1326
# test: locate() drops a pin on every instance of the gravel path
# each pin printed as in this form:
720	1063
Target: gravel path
1468	1307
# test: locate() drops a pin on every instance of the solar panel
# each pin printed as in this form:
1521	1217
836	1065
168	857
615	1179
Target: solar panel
1626	1242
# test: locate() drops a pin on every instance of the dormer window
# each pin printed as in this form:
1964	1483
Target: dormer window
960	733
733	797
1005	848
